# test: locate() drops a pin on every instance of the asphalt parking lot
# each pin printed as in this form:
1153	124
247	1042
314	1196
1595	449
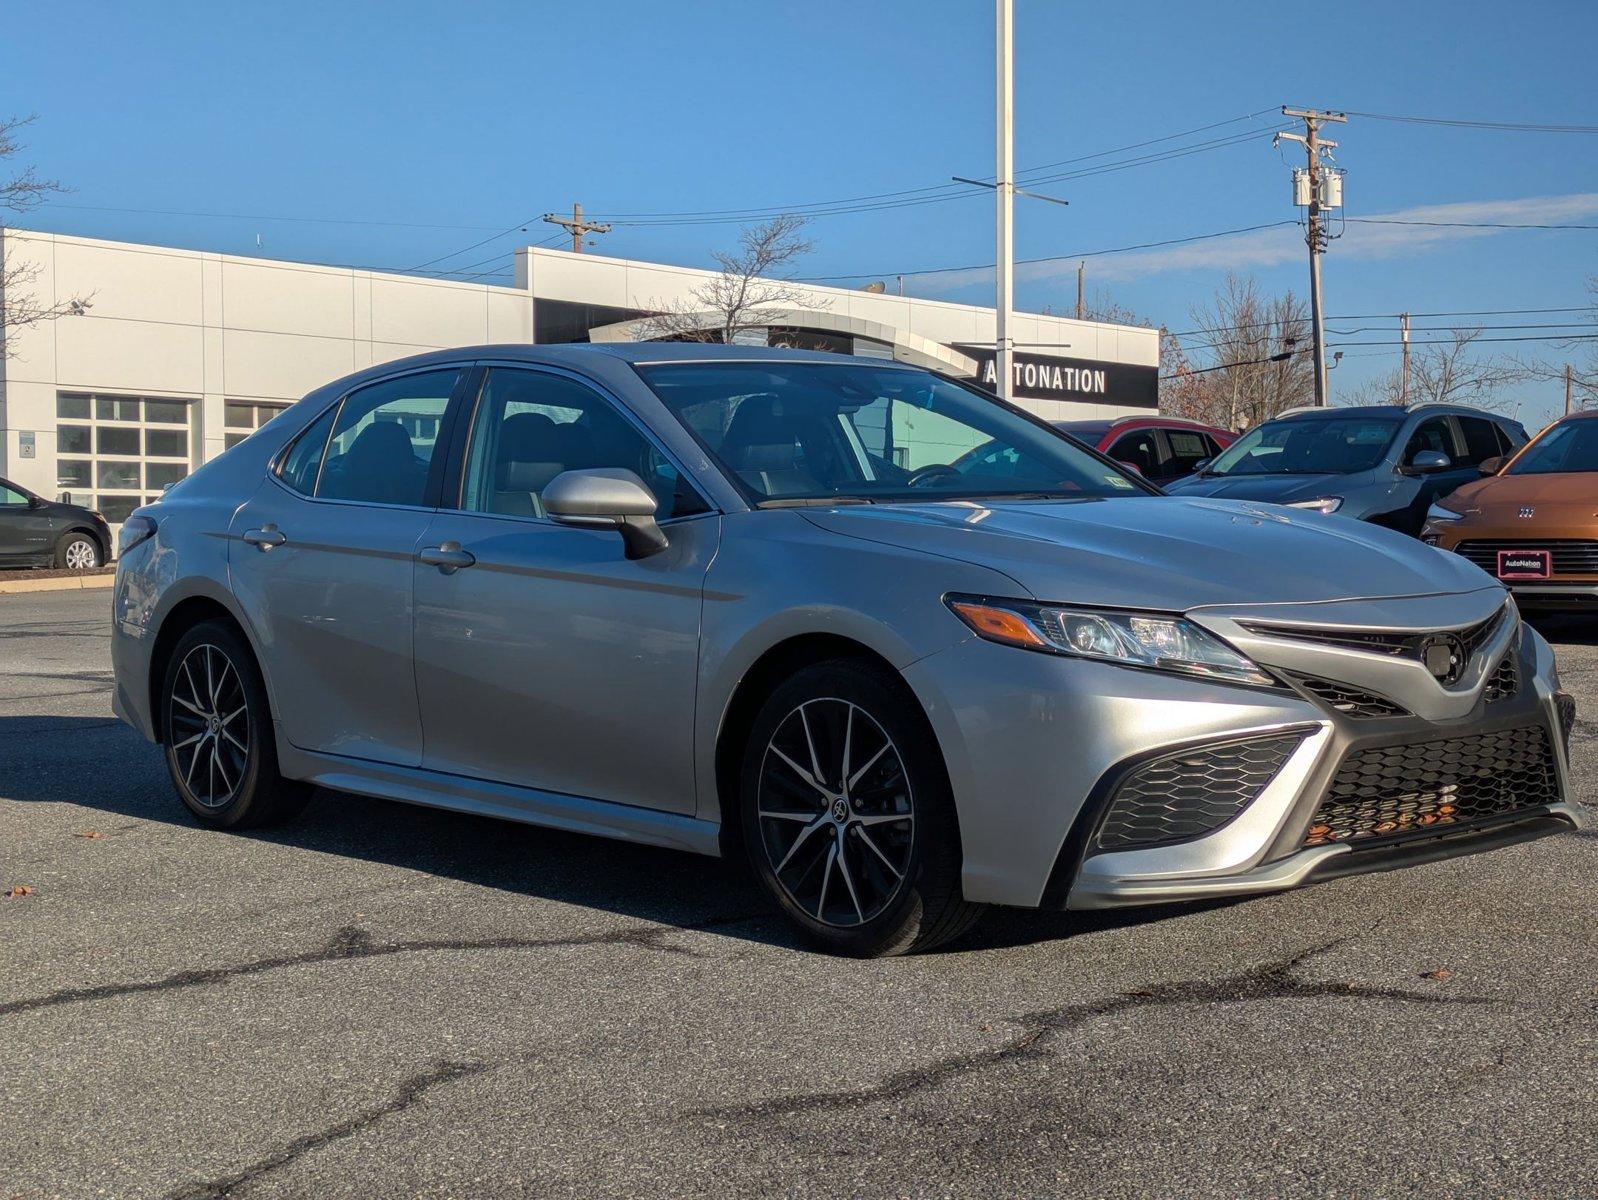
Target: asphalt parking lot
388	1001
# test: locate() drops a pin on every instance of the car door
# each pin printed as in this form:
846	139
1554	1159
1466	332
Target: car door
545	657
321	560
1186	448
26	529
1435	434
1141	449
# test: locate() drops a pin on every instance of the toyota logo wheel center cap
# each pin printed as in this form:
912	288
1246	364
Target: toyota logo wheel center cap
840	810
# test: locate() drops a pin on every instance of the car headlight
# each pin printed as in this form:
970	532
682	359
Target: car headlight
1323	504
1438	513
1152	640
134	530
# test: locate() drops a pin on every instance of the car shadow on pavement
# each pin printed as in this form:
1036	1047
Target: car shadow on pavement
100	764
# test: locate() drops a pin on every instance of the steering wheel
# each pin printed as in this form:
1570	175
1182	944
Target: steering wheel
936	470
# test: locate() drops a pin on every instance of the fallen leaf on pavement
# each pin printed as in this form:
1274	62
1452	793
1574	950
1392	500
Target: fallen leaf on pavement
94	834
1439	973
17	892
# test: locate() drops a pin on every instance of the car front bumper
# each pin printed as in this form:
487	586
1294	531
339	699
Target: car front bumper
1036	750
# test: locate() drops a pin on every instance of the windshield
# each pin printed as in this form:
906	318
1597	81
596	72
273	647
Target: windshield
1316	446
1571	446
798	431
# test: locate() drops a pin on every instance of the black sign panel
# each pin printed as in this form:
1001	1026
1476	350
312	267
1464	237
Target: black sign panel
1043	378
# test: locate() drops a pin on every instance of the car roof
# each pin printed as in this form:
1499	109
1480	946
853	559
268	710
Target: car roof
1400	411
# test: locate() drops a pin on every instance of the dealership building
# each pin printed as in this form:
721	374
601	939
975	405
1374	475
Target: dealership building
175	355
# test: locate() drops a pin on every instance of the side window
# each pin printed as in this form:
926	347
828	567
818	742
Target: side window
1510	438
11	498
531	426
384	438
304	459
1138	448
1188	449
1481	440
1432	435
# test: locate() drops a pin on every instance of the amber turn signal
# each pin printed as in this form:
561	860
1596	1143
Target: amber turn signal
997	624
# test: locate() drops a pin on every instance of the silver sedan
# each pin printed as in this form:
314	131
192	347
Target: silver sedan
768	604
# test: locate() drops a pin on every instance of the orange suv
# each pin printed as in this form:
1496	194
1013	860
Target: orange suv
1533	522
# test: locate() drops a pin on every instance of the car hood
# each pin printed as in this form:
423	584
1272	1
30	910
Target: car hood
1168	553
1274	489
1569	493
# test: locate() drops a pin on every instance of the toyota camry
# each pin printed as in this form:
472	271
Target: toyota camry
740	602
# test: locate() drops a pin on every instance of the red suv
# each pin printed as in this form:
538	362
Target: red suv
1164	449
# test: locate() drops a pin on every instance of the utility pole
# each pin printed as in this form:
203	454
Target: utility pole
1318	193
1004	199
577	226
1403	375
1081	272
1569	382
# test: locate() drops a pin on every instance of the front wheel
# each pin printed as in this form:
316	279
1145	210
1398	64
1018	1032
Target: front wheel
847	814
220	749
77	552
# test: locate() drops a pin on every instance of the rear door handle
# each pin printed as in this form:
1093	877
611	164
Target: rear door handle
448	558
265	537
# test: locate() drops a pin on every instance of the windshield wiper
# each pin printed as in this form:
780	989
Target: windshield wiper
811	501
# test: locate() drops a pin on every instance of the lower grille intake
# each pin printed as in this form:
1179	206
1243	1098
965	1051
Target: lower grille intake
1191	792
1347	699
1395	791
1504	682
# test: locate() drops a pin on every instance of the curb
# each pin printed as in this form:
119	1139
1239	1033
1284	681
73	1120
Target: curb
13	586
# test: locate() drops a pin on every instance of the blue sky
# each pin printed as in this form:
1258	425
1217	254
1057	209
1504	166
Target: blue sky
480	114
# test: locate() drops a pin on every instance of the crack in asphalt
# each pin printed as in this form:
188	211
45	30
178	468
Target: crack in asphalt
410	1094
352	942
1269	981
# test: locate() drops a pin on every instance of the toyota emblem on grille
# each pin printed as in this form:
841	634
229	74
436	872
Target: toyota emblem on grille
1444	656
1527	512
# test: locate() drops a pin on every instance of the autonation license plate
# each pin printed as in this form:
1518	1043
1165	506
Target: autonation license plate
1524	564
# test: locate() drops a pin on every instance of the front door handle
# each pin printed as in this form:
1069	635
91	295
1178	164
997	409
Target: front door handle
448	558
265	537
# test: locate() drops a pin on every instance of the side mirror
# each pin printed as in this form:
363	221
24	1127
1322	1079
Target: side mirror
607	498
1429	462
1491	466
1199	466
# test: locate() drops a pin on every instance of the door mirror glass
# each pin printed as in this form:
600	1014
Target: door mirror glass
607	498
1428	462
1199	466
1490	466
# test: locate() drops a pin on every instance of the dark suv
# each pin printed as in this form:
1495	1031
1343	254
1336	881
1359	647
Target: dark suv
35	532
1382	463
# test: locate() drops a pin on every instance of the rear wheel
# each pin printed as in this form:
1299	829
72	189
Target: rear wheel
77	552
220	749
848	817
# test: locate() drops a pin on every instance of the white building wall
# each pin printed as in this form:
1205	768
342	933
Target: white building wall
208	328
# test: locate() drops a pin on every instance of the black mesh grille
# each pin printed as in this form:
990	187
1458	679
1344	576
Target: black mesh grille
1504	682
1347	699
1192	792
1399	790
1568	556
1398	645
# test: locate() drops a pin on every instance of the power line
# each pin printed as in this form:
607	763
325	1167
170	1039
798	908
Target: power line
1198	237
221	216
520	226
1505	126
1479	312
1462	224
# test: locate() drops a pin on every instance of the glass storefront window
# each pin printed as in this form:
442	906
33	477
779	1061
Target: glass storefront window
124	451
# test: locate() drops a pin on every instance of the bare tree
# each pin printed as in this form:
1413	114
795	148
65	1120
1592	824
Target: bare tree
1261	346
21	192
1451	371
1177	383
748	292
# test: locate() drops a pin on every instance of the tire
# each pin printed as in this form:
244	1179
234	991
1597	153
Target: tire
78	552
218	735
868	866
